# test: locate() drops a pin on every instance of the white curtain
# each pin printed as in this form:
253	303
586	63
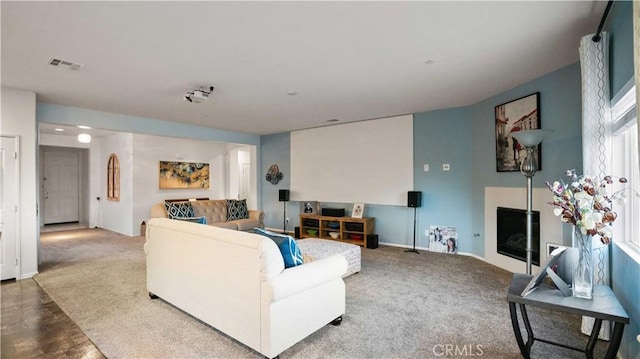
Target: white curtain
596	140
636	58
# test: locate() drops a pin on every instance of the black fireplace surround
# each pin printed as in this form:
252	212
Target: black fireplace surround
512	234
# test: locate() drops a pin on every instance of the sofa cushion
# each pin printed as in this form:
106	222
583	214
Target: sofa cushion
179	209
237	209
199	220
290	251
214	209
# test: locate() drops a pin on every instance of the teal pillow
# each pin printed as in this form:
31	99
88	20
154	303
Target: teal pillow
199	220
291	253
179	209
237	209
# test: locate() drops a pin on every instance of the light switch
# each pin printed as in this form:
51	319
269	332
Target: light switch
445	167
426	168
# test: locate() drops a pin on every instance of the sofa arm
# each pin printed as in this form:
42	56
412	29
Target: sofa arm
258	215
298	279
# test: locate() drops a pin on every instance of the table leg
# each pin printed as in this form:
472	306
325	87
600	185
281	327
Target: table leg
527	325
593	338
614	343
516	330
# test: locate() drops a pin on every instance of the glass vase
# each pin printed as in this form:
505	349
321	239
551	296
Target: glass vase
583	269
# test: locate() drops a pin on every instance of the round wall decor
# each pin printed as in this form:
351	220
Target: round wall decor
274	175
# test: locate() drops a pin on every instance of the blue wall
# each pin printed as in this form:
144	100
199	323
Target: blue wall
274	149
620	28
464	138
625	271
444	137
560	111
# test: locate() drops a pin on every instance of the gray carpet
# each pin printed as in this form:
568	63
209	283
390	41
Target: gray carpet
401	305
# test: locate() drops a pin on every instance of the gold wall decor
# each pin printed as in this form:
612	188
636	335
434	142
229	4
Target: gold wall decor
183	175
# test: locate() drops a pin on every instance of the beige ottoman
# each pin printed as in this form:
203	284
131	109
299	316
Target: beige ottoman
313	249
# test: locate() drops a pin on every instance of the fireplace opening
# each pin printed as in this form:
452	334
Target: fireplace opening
512	234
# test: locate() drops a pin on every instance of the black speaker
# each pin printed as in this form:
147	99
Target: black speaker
296	232
414	199
372	241
333	212
283	195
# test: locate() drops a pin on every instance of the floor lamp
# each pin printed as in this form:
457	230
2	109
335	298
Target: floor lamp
283	196
529	139
414	199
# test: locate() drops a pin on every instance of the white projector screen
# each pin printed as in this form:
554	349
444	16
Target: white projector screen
368	161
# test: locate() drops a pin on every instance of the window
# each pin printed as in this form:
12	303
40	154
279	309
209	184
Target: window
626	164
113	178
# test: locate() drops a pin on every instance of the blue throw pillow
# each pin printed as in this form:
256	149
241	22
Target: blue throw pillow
199	220
288	247
179	209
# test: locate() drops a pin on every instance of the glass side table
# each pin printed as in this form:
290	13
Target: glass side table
603	306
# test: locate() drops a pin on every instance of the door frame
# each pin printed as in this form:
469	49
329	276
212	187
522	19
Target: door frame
84	207
16	145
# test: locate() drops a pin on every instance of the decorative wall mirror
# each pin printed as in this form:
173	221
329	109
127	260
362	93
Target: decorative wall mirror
113	178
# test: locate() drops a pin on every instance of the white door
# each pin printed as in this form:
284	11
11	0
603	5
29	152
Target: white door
8	207
61	186
245	180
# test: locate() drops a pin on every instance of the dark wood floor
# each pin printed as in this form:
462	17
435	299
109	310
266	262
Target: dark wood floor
33	326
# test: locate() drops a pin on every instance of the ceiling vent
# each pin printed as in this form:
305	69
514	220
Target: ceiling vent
65	64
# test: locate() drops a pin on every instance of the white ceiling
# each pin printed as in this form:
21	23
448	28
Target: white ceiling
345	60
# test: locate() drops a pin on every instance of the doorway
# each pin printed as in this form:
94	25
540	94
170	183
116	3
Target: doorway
63	185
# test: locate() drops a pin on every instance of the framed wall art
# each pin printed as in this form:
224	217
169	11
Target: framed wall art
358	210
517	115
183	175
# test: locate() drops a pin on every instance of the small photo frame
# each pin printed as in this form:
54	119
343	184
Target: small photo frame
358	210
309	207
553	246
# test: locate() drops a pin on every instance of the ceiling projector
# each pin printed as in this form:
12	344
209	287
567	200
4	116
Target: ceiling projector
197	96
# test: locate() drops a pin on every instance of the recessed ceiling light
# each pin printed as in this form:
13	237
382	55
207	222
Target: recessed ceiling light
59	129
333	120
84	127
429	62
84	138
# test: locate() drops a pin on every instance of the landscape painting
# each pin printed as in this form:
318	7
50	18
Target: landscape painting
183	175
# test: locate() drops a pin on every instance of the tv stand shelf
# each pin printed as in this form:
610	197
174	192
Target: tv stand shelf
350	230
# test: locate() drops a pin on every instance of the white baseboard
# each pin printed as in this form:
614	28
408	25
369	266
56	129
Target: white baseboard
427	250
27	275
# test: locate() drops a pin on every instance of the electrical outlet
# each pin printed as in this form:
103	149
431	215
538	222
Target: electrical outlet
287	219
446	167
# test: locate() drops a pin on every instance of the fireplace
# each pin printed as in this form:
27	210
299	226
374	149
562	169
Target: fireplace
512	234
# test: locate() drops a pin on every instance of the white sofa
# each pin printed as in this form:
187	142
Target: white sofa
236	282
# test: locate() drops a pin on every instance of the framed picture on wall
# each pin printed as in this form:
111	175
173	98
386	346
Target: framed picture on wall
517	115
183	175
309	207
